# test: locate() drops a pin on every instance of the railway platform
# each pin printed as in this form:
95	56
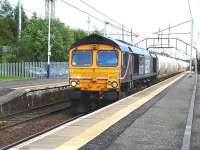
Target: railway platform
158	117
12	93
8	86
12	89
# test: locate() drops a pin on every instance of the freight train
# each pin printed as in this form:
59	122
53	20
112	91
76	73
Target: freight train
105	67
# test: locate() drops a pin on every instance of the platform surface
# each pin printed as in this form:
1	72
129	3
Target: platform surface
195	140
14	84
163	126
12	89
154	118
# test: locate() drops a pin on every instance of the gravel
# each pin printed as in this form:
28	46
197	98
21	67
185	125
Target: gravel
21	131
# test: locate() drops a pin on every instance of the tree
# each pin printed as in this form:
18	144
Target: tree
78	34
7	26
6	35
34	15
6	9
16	16
33	43
34	40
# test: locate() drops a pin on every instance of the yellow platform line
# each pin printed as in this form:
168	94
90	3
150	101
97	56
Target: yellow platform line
89	134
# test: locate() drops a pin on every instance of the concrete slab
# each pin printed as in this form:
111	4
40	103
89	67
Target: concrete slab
88	122
71	131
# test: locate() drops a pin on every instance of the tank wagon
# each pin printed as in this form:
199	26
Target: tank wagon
105	67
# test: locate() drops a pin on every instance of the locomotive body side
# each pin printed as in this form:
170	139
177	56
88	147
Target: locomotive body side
138	66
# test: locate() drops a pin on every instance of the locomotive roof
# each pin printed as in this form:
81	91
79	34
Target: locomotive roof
124	46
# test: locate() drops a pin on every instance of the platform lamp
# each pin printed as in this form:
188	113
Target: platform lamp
19	19
191	35
49	42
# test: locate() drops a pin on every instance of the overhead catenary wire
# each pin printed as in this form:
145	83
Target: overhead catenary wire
101	20
172	26
33	12
113	20
183	33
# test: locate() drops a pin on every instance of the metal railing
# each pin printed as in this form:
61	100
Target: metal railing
30	70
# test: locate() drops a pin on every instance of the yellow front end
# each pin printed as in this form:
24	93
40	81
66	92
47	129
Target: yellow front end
101	74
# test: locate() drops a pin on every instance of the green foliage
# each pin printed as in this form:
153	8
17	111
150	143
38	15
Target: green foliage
198	65
33	43
6	9
78	34
35	39
24	18
34	15
15	78
6	34
6	23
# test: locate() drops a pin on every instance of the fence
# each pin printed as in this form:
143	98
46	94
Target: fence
33	70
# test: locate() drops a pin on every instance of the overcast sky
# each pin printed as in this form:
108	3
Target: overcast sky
143	16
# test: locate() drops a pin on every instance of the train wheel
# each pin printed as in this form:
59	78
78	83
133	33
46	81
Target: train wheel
121	95
111	96
84	103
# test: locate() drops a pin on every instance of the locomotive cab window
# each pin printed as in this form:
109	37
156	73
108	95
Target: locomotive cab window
107	58
81	58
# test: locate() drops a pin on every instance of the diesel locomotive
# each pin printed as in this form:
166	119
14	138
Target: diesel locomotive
105	66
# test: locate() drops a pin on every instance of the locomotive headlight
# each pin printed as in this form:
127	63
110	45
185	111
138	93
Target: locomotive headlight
73	83
114	84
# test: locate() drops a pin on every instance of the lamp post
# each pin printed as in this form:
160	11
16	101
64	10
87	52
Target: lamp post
88	21
191	35
191	44
122	32
49	42
19	19
105	25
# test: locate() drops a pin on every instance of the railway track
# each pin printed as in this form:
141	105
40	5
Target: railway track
40	133
15	119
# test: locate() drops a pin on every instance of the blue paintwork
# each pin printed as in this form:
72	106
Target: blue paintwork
126	48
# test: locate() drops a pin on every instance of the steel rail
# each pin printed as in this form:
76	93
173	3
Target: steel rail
40	133
31	115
